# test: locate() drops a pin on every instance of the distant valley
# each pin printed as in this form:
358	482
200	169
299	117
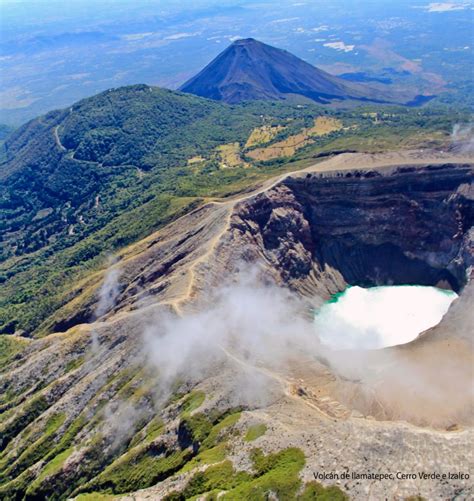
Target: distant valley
57	56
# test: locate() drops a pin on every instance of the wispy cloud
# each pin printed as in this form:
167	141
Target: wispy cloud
445	6
179	36
341	46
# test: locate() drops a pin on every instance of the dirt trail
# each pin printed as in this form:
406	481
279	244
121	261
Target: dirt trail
210	248
213	221
345	161
324	405
357	161
57	139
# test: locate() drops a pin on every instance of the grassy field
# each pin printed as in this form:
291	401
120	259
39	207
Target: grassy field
229	156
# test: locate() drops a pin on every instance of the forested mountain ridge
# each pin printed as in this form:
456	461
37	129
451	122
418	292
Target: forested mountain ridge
71	172
71	155
104	178
99	153
81	183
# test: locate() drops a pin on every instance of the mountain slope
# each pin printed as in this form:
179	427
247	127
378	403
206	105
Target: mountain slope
81	183
105	155
250	70
107	407
113	165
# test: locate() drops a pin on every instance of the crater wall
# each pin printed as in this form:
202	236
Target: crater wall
406	225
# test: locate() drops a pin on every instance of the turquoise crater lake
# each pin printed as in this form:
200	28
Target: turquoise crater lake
378	317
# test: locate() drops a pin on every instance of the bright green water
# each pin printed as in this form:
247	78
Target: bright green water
380	316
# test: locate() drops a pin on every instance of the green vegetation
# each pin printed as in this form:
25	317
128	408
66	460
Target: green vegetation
34	490
68	437
214	478
28	413
43	444
139	468
197	427
203	441
74	364
224	425
192	402
314	491
255	431
94	496
53	483
55	464
274	474
214	446
40	447
10	347
209	456
16	488
123	176
154	429
148	433
124	173
277	473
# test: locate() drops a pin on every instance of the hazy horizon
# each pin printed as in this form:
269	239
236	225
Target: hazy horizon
51	56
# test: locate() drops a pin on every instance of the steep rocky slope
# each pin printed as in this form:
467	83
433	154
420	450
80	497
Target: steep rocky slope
104	404
365	228
318	233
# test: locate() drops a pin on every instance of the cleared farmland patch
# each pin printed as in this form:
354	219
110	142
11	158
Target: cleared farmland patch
289	146
229	156
263	135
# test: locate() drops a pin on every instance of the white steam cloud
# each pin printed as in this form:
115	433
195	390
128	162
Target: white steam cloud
255	337
107	298
381	316
108	292
121	418
462	137
249	324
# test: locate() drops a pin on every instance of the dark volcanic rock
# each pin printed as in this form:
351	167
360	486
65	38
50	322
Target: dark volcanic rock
365	228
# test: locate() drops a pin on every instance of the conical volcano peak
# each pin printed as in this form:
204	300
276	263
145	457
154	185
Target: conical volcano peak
253	46
252	70
247	41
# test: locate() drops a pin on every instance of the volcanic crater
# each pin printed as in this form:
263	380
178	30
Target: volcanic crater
355	219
